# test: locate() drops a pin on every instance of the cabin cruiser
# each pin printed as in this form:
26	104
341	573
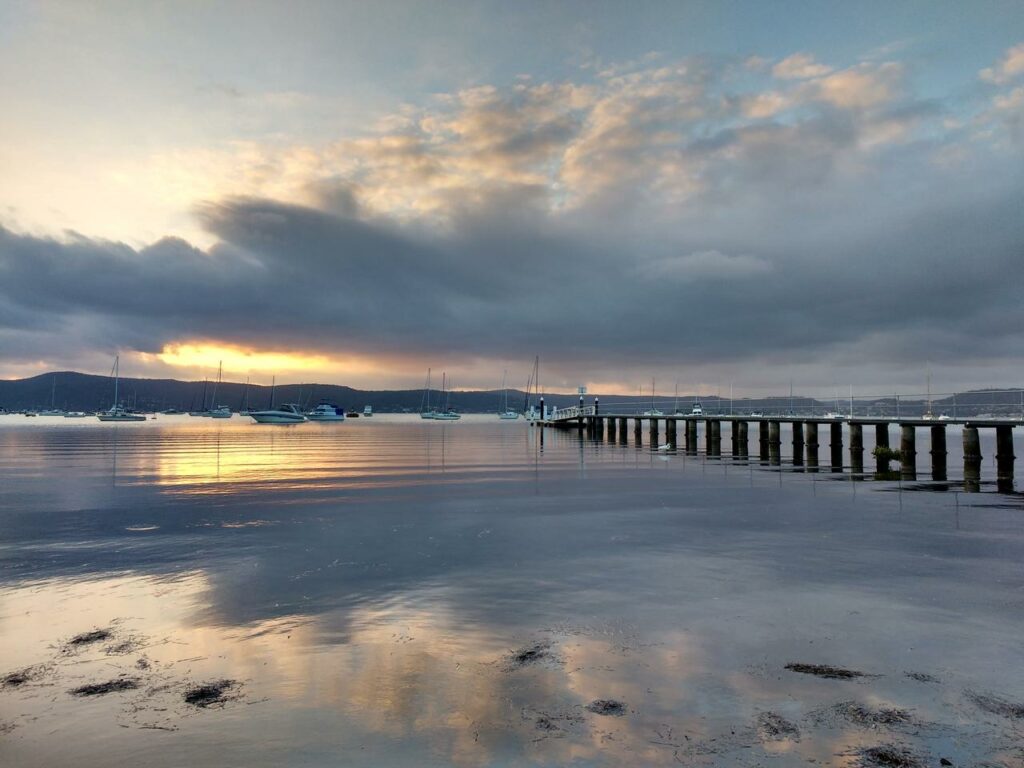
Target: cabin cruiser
286	414
653	412
368	411
697	410
447	416
508	415
326	412
74	415
220	412
119	413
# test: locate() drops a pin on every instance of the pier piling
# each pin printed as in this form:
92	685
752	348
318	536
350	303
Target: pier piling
881	441
740	440
811	435
691	436
774	442
763	439
798	442
857	448
836	445
908	451
938	452
1004	457
972	459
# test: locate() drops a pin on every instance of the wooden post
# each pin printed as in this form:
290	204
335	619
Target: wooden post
774	442
798	442
715	432
812	443
908	451
1004	456
763	439
670	433
881	441
857	448
740	439
654	432
691	436
638	431
972	459
836	445
938	452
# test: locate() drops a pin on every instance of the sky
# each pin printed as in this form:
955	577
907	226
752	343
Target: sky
712	195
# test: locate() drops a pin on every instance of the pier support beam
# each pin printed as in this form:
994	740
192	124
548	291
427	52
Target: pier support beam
763	439
654	433
740	439
836	445
811	429
798	442
715	437
638	431
938	452
623	428
857	448
881	441
774	442
908	451
1004	457
611	430
972	459
670	433
691	436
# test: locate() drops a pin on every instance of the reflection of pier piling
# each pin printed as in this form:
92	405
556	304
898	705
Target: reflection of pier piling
881	446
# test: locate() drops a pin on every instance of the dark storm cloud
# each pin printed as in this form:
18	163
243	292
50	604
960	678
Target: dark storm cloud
292	276
641	221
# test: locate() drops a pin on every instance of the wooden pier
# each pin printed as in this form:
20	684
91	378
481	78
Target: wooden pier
806	432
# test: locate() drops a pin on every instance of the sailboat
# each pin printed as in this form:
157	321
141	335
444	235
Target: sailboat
117	412
219	411
654	409
507	413
426	412
447	414
286	414
202	411
244	410
533	413
53	410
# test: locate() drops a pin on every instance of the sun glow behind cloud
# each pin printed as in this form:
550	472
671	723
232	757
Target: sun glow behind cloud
236	359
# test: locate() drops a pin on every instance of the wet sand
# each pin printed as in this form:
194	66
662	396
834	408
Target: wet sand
397	593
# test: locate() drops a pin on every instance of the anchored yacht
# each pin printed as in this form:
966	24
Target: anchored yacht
286	414
326	412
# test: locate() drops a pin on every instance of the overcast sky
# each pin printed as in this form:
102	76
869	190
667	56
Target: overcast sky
713	193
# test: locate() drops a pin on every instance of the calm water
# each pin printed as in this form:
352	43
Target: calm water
398	592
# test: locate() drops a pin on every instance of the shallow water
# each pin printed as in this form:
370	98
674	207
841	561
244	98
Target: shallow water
395	592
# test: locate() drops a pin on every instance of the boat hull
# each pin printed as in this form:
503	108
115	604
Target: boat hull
121	417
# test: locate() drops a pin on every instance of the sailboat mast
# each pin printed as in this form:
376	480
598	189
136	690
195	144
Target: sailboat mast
117	372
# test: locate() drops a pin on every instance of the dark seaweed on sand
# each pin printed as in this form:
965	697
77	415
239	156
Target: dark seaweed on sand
889	756
608	707
87	638
996	705
101	689
774	727
210	694
823	670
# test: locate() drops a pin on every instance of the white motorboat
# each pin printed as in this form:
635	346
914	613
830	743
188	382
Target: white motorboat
326	412
653	412
220	412
447	416
74	415
508	415
118	412
286	414
697	410
368	411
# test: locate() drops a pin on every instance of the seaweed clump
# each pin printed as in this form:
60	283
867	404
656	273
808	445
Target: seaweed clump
607	707
996	705
211	694
888	756
101	689
774	727
824	670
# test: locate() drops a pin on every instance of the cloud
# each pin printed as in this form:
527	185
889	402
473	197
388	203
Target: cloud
1007	69
590	222
799	66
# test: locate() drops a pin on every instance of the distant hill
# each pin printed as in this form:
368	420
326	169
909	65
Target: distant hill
85	392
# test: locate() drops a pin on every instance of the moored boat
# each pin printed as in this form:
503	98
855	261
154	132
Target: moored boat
326	412
286	414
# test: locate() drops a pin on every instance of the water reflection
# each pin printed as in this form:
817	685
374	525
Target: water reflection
373	591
